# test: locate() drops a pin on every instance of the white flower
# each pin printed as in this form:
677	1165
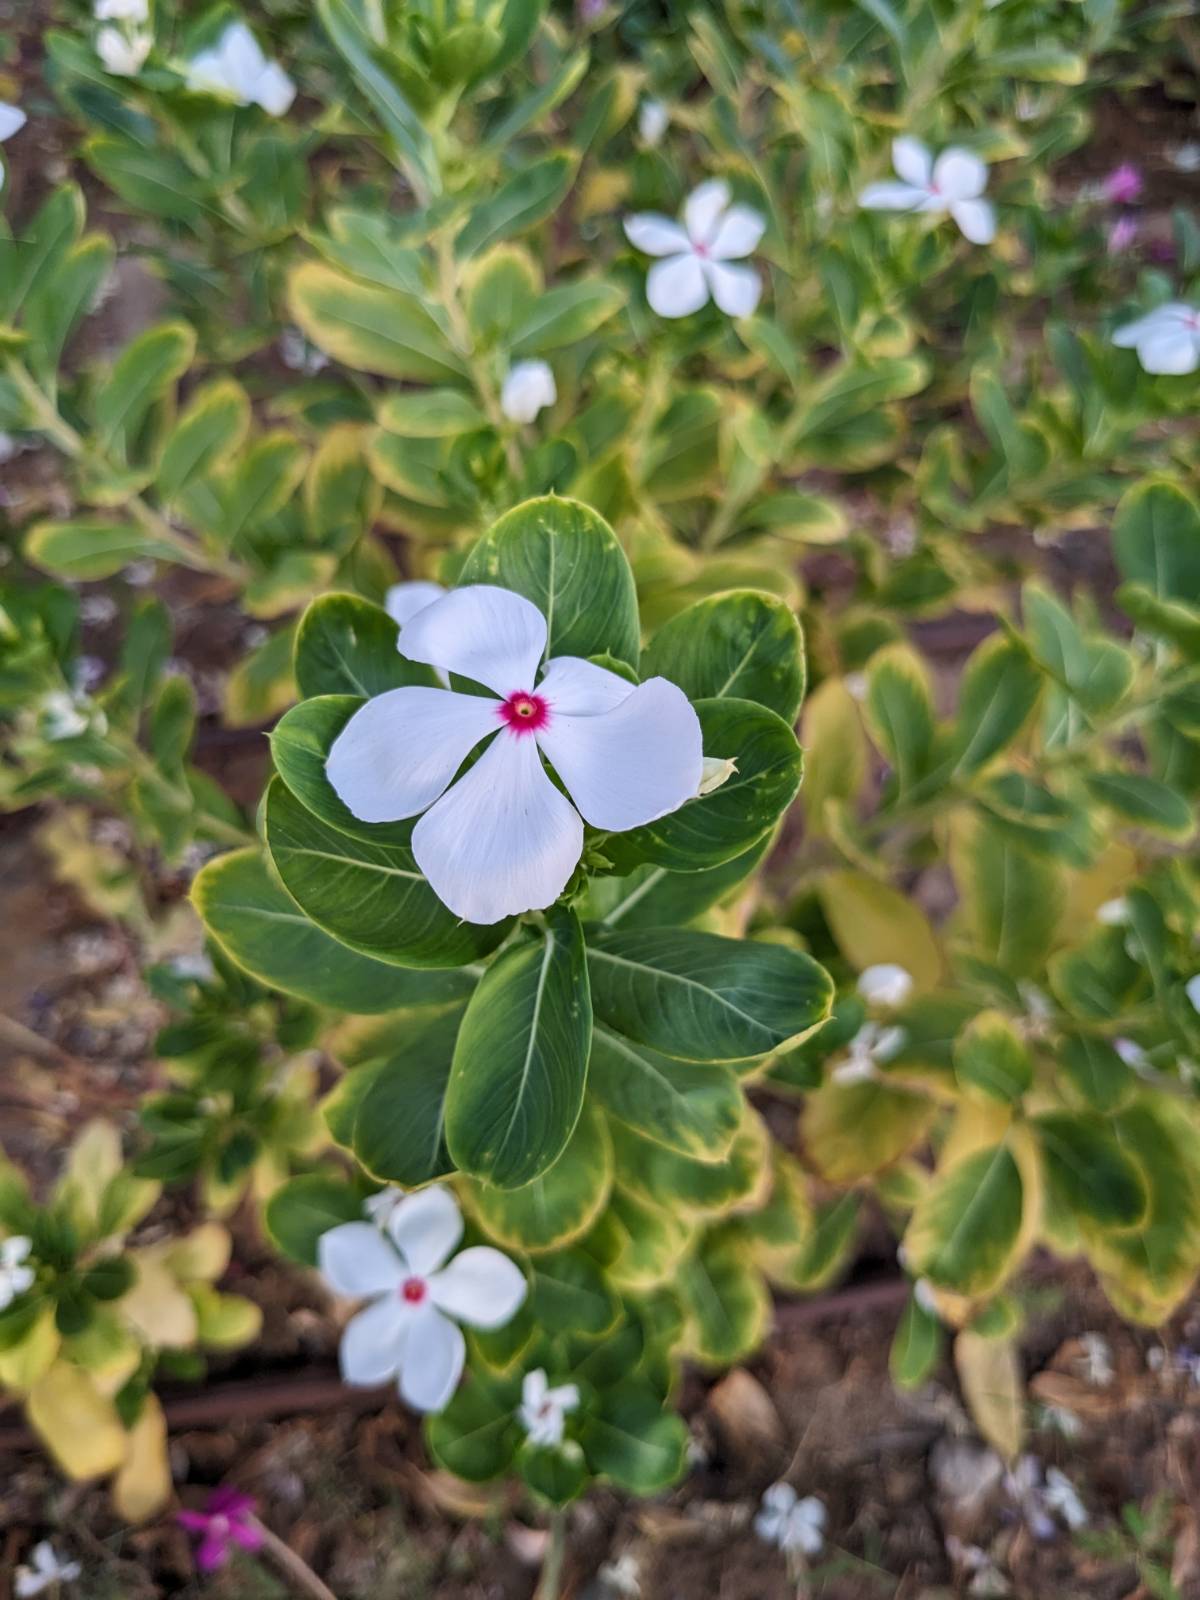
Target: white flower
62	716
122	54
622	1576
237	70
885	984
121	11
503	839
1097	1360
1166	340
1060	1495
869	1046
299	356
1113	913
543	1410
1132	1054
1185	157
1192	989
698	254
404	600
1061	1420
418	1296
953	184
15	1276
12	120
528	387
653	121
378	1208
857	685
46	1571
789	1523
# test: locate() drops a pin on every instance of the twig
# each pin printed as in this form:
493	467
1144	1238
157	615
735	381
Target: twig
286	1557
556	1550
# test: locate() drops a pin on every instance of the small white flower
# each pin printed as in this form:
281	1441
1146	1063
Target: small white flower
46	1570
298	355
1060	1495
653	120
870	1046
528	387
237	70
122	54
622	1576
714	773
62	716
857	685
1132	1054
378	1208
134	11
418	1296
1061	1420
698	254
196	966
1097	1360
789	1523
1113	913
15	1276
503	839
1192	989
952	185
926	1297
885	984
543	1410
12	120
1167	340
1185	157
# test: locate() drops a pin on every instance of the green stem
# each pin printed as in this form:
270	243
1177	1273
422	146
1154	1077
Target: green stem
556	1550
460	332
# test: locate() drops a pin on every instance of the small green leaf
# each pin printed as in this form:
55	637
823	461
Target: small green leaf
990	1056
742	644
304	1208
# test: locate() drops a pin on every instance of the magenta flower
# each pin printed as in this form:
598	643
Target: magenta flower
1122	235
227	1520
1123	186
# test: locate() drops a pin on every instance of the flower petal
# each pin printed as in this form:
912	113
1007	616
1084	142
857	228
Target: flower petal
212	1553
425	1227
633	764
976	220
356	1259
735	289
490	635
889	196
580	688
738	233
703	208
959	174
206	75
13	119
503	840
372	1344
1169	350
655	235
274	91
404	600
398	752
480	1287
242	58
433	1360
248	1535
912	161
676	287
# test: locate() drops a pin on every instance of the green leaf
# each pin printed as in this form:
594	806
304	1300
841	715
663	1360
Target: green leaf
1142	800
516	1086
370	897
562	1204
347	646
564	315
522	201
701	997
1170	619
399	1132
153	180
1096	1071
476	1436
92	547
695	1189
144	371
304	1208
1088	1172
899	711
211	430
629	1439
725	1302
567	560
742	644
916	1346
45	239
429	413
875	924
652	897
1011	899
690	1107
999	690
989	1056
370	328
964	1233
854	1130
1156	540
59	300
571	1297
558	1473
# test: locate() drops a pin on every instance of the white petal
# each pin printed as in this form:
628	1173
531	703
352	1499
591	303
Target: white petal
355	1259
433	1360
655	235
976	220
703	208
241	58
1175	314
633	764
528	387
274	91
735	289
372	1344
1192	989
959	174
1169	350
580	688
480	1287
425	1227
398	752
206	75
676	287
490	635
889	196
404	600
503	840
912	161
12	120
738	233
885	984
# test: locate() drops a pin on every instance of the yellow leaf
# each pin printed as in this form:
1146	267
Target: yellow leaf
107	1350
225	1321
835	749
874	923
156	1307
25	1363
855	1129
143	1484
1106	879
200	1256
93	1161
993	1388
77	1424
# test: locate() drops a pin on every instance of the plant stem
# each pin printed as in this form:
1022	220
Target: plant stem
556	1550
285	1557
460	332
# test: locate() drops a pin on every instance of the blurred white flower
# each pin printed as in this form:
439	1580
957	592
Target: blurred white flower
870	1046
698	254
885	984
66	716
15	1276
298	355
1113	913
134	11
789	1523
236	69
543	1410
1096	1360
528	387
857	685
653	121
47	1571
622	1576
123	54
1060	1495
1061	1420
417	1295
1167	340
1132	1054
952	185
1192	989
925	1295
378	1208
12	120
1185	157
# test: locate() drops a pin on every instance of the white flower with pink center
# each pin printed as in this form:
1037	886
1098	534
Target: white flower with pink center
698	254
418	1295
12	120
543	1410
1167	340
952	186
503	838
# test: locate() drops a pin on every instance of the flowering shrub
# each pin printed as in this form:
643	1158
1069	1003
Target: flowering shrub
547	520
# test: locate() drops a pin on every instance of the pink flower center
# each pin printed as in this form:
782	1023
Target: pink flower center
701	250
413	1290
525	713
219	1525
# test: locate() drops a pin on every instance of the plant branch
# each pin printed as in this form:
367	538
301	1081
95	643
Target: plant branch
460	332
549	1584
285	1557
